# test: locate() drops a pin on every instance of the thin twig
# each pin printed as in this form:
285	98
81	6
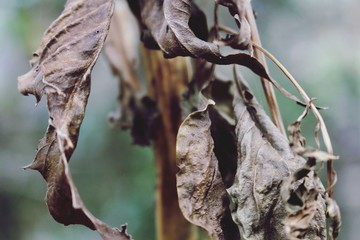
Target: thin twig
216	21
227	29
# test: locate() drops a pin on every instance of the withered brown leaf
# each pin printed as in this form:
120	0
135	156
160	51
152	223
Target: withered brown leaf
297	224
202	195
121	51
301	200
61	70
333	213
167	22
241	39
298	141
135	109
264	161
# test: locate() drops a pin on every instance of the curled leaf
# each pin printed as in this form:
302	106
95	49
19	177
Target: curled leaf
145	116
264	161
298	143
333	213
202	195
223	128
61	69
242	39
221	115
168	24
121	51
303	194
298	224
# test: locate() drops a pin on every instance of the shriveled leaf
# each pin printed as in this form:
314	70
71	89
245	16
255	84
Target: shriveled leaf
221	92
300	199
203	74
167	22
121	51
134	111
223	127
333	213
300	193
223	134
298	142
202	195
145	116
61	70
241	40
297	224
265	160
221	115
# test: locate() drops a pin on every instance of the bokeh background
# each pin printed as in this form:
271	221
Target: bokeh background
319	43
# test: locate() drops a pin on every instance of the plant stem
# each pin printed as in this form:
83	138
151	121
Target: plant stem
166	80
267	86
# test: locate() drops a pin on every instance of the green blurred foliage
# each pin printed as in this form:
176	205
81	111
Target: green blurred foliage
316	41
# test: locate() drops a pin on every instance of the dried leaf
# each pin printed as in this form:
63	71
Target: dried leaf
223	128
300	193
203	74
145	117
333	213
61	70
223	134
265	160
202	195
221	91
298	142
221	115
168	23
121	51
135	110
297	224
241	40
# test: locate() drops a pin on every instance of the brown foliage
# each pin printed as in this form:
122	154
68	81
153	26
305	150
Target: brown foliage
237	174
61	70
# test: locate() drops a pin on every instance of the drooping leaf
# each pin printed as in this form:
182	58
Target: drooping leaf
301	200
221	91
61	70
242	39
145	116
121	50
167	22
333	213
297	225
264	161
223	134
300	195
135	110
298	142
221	114
203	74
202	195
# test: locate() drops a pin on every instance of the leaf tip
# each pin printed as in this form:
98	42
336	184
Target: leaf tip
29	166
31	83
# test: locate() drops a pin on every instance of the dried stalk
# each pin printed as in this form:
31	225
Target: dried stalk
166	79
267	86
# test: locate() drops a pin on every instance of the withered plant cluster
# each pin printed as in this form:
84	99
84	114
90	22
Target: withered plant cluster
222	163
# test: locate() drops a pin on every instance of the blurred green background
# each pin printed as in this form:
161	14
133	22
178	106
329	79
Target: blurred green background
319	43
